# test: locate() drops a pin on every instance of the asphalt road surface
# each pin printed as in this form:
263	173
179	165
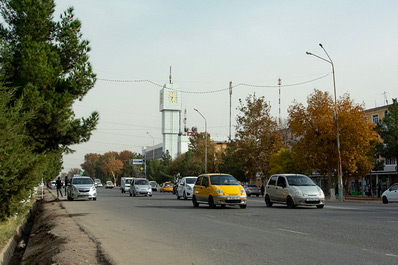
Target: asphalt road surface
163	230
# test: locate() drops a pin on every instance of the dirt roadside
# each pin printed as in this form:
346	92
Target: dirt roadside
57	239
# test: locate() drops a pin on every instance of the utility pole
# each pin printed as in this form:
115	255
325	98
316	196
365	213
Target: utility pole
230	108
280	119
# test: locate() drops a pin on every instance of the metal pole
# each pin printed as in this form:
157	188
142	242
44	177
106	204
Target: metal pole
339	163
230	107
205	138
153	144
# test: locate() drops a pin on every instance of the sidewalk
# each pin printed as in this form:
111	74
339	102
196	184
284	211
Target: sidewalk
359	199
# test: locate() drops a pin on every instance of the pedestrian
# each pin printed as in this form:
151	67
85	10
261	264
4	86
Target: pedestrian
66	184
262	190
59	185
379	189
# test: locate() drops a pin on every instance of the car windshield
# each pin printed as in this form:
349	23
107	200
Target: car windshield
153	184
223	180
141	182
167	184
299	181
128	181
252	186
190	180
109	182
82	181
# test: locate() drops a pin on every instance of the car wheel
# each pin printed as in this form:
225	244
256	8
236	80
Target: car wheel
150	195
385	200
248	195
290	202
94	199
194	202
320	206
257	195
211	203
185	196
223	206
268	201
243	206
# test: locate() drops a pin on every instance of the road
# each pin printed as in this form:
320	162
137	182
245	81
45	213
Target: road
164	230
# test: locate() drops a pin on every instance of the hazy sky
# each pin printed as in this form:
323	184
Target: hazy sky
210	43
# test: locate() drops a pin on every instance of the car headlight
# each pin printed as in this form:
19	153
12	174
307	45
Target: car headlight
189	188
219	191
242	191
298	192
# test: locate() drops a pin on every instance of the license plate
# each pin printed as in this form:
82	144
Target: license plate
233	198
312	199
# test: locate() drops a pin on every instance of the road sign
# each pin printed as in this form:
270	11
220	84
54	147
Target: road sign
138	161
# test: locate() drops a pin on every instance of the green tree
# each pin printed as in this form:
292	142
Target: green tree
232	162
20	168
388	131
257	135
286	161
47	62
91	162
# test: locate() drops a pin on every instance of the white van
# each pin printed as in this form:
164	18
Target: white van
125	184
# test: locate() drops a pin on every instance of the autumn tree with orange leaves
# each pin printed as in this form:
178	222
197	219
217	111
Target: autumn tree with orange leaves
111	165
314	126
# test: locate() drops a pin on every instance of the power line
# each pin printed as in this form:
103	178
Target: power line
218	90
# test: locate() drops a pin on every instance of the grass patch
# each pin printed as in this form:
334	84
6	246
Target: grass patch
8	227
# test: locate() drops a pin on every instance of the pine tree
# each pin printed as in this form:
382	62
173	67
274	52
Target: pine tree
47	62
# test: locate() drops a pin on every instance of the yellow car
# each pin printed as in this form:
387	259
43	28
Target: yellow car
166	187
218	189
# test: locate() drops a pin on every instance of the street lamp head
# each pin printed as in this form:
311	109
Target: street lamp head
308	53
195	109
320	44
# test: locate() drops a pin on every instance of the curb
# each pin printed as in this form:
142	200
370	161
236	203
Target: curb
7	252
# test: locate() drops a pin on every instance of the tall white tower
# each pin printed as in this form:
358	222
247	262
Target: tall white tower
170	107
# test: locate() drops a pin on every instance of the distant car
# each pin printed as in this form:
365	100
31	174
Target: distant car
140	187
125	184
166	187
154	185
391	194
251	189
185	187
53	184
81	188
98	182
218	189
293	190
109	185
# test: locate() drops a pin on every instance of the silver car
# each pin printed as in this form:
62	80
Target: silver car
140	187
82	188
293	190
251	189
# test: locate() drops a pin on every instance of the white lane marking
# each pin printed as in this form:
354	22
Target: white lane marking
392	255
211	216
341	207
291	231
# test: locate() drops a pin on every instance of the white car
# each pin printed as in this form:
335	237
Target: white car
185	187
140	187
81	188
391	194
293	190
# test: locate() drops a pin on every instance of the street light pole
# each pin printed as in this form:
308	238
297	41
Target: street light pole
339	164
205	138
153	144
